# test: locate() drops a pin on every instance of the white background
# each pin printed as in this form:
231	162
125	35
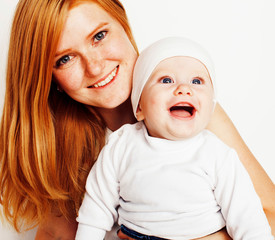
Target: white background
239	35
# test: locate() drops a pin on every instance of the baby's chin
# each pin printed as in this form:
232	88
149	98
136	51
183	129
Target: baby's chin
182	134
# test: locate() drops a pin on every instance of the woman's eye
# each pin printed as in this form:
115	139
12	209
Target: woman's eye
64	60
99	36
196	81
166	80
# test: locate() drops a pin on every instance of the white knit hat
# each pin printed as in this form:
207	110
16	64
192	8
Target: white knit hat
163	49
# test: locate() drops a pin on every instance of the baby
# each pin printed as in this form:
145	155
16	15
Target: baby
167	177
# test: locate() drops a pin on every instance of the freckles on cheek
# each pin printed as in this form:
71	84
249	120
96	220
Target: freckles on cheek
69	80
119	48
114	44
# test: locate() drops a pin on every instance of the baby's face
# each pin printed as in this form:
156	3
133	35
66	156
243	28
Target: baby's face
177	101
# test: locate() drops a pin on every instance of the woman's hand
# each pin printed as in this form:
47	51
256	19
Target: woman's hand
220	235
123	236
57	228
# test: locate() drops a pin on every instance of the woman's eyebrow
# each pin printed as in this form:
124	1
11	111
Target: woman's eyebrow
96	30
91	34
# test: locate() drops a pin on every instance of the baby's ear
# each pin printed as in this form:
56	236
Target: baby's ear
139	113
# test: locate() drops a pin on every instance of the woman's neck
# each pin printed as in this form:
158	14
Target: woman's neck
116	117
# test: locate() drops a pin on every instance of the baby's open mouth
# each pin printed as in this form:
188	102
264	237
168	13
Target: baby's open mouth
183	110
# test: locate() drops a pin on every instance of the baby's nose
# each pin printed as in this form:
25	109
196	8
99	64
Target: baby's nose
183	89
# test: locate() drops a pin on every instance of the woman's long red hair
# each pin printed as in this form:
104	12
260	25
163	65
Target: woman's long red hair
48	141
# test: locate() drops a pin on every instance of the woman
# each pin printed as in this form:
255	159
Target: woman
68	78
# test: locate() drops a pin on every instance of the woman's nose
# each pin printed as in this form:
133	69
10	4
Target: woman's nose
183	89
94	66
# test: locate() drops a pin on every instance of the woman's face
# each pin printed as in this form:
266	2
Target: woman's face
94	58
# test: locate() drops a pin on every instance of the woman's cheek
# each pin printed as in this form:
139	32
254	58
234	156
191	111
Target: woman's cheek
112	51
70	79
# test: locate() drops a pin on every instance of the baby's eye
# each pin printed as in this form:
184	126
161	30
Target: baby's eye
99	36
167	80
196	81
63	60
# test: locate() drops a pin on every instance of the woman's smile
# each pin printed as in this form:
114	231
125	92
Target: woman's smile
94	58
106	80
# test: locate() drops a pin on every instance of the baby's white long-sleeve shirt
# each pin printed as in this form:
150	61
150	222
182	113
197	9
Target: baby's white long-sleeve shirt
170	189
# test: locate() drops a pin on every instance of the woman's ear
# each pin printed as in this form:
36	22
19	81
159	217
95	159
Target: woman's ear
139	113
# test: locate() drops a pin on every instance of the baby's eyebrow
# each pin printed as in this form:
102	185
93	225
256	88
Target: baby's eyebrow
159	73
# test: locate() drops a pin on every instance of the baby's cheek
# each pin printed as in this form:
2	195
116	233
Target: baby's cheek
155	100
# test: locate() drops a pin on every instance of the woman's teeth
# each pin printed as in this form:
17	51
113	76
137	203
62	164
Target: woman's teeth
106	80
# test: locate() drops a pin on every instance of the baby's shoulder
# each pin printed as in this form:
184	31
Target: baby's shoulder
125	132
218	154
216	144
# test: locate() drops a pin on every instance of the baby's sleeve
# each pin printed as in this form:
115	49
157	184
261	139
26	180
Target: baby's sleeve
98	213
240	205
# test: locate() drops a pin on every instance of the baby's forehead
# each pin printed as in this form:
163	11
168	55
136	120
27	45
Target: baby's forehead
179	58
180	63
